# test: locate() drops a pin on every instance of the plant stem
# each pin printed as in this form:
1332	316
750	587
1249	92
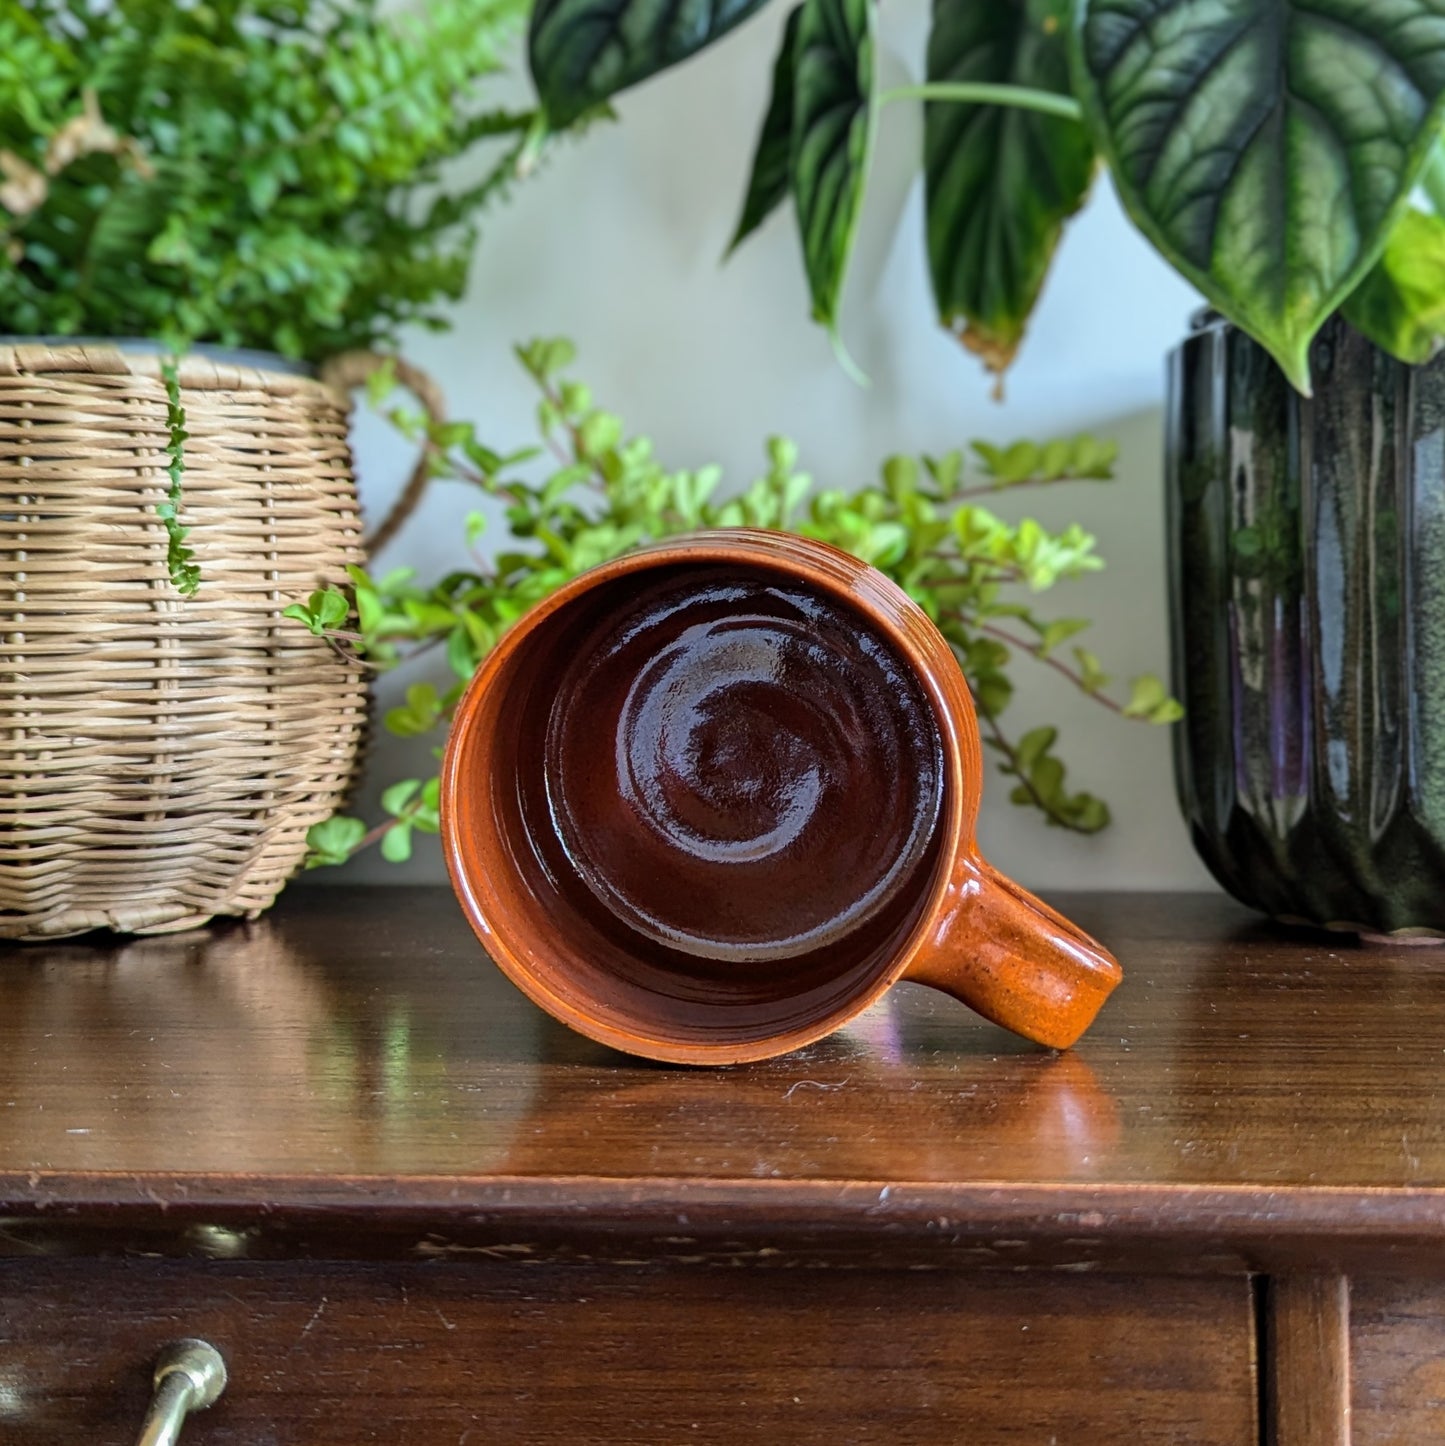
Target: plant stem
982	93
358	643
843	357
995	572
993	489
1036	650
379	832
351	656
1016	772
424	647
574	436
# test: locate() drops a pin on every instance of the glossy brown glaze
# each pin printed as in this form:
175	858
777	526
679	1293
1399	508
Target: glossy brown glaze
735	769
709	801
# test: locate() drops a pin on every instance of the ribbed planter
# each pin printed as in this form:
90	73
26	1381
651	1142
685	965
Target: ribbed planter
1307	577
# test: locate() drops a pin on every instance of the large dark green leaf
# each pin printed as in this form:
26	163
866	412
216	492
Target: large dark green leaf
833	116
772	160
1265	146
584	51
1000	182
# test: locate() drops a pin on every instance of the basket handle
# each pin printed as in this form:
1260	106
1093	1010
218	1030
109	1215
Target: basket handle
350	370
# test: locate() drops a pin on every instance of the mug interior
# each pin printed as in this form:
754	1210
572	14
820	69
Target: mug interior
699	805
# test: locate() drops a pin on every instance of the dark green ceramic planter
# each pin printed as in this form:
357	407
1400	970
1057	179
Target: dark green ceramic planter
1307	581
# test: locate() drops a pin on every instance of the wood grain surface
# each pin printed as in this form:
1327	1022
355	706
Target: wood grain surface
466	1354
414	1209
1251	1098
1307	1369
1397	1342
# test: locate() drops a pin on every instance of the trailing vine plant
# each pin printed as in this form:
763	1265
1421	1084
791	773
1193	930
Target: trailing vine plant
180	560
925	522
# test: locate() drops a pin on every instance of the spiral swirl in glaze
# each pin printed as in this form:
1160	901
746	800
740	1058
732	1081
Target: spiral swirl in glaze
740	768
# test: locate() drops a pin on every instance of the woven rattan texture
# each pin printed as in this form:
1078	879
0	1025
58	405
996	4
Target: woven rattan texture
162	757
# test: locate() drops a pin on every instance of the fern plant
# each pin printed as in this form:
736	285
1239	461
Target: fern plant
259	173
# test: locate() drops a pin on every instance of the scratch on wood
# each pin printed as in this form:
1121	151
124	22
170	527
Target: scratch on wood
315	1316
814	1084
436	1249
31	1247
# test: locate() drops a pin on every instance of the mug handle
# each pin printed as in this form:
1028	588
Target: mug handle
1014	960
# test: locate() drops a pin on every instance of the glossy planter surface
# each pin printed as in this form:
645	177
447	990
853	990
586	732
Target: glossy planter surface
1307	580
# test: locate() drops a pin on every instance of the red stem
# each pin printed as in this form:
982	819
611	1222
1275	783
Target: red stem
992	489
1036	651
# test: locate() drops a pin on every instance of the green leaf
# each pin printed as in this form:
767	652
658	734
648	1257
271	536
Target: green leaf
1400	305
599	432
1093	675
333	608
460	655
185	575
302	614
946	471
1000	181
396	843
396	798
1248	542
1033	745
382	382
1266	147
427	817
1059	632
1145	694
333	840
369	611
420	714
396	579
583	52
547	356
1043	783
833	124
768	183
1150	700
1007	465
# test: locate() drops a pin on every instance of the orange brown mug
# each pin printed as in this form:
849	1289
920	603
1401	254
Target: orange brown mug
708	801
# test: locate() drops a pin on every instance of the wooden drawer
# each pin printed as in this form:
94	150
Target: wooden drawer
1397	1349
495	1351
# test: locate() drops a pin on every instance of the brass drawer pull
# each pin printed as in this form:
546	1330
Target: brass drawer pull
190	1375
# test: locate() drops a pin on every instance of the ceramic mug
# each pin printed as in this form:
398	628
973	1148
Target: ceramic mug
708	801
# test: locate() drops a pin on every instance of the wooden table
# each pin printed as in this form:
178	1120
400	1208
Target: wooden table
408	1208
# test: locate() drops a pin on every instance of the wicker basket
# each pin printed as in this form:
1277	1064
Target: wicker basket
161	757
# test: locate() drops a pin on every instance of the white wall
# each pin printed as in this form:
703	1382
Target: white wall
617	245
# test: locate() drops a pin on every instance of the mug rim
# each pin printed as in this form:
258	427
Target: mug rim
859	586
